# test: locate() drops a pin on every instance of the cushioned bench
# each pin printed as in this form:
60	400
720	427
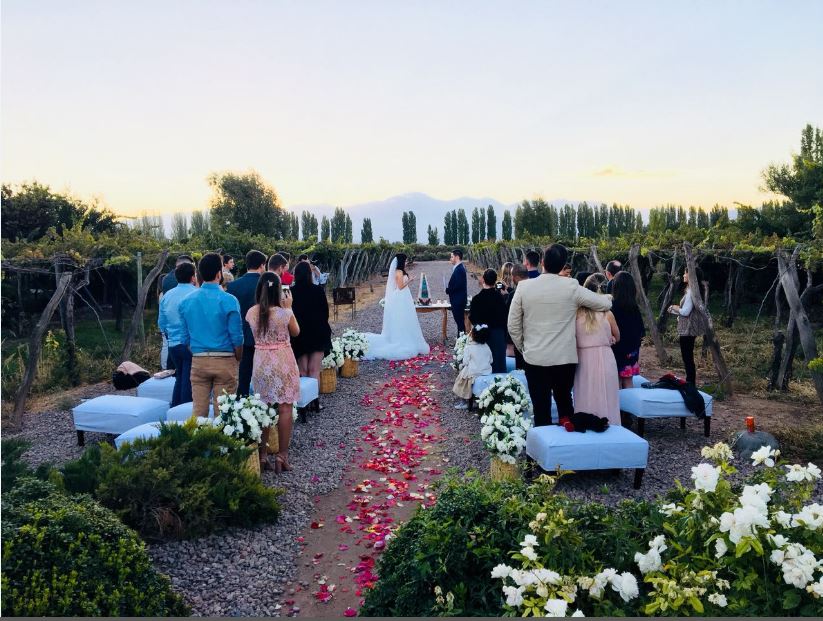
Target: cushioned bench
147	431
510	364
644	403
309	397
182	412
157	388
554	448
116	414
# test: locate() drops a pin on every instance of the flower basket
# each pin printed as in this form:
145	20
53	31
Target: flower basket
504	408
499	470
328	381
354	345
273	445
350	368
244	418
253	462
459	348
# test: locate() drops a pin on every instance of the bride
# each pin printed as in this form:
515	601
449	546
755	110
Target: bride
401	337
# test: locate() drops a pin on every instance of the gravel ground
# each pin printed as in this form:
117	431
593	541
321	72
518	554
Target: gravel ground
243	572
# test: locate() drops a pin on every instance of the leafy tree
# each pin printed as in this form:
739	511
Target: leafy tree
199	223
338	226
349	233
325	229
718	216
801	181
507	225
150	226
431	233
702	219
308	222
448	231
462	227
491	223
179	227
294	232
366	234
475	225
412	228
405	227
247	202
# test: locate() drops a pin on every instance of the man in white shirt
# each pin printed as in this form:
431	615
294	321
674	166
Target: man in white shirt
542	326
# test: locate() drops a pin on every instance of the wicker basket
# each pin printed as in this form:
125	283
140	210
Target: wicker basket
253	462
328	381
273	446
350	368
501	471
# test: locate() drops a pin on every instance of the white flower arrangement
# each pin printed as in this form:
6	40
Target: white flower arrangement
382	302
503	407
244	417
336	357
355	345
459	348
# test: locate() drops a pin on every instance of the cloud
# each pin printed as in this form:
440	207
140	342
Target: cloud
616	171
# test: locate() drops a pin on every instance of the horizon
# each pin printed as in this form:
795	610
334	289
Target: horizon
639	104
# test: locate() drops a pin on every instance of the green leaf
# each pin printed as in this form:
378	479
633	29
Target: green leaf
791	599
696	604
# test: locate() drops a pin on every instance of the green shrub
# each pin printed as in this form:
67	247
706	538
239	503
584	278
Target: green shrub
68	556
188	481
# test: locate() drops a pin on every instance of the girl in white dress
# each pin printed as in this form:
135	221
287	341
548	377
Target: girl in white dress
477	361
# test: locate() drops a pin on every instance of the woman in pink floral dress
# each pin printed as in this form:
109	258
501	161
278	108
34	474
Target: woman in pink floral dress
275	375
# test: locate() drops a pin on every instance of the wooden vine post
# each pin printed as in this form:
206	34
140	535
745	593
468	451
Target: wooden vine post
137	317
645	306
788	276
596	261
710	339
35	345
663	316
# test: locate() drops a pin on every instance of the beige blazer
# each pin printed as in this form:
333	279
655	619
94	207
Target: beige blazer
542	318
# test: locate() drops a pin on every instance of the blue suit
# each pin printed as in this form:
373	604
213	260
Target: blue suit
243	289
457	290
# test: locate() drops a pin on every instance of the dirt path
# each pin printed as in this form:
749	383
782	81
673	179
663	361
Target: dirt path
396	459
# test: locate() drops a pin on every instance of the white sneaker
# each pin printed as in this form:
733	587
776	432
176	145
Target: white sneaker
461	406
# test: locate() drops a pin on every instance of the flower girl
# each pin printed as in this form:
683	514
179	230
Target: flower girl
477	361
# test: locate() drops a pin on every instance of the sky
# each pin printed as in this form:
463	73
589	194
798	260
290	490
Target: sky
640	103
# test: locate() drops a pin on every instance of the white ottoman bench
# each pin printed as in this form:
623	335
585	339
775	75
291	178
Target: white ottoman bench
510	364
644	403
309	397
554	448
157	388
484	381
147	431
182	412
115	414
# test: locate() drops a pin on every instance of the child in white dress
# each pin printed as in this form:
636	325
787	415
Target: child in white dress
477	361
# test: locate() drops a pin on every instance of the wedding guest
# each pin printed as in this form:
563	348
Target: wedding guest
566	271
244	289
613	268
278	264
311	309
582	276
457	289
275	376
170	280
596	384
519	274
690	325
489	308
532	260
315	271
477	361
171	327
506	277
287	278
542	326
228	266
213	330
630	323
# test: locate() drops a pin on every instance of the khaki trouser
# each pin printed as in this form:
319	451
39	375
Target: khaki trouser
211	375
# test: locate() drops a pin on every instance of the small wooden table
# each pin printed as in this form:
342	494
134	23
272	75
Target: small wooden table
445	308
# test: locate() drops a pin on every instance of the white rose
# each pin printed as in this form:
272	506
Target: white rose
705	477
720	547
501	571
718	599
556	607
764	455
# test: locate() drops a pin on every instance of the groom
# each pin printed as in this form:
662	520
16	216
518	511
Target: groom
457	290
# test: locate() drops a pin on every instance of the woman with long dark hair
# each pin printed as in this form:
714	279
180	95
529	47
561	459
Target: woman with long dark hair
275	375
311	309
488	307
690	325
630	322
401	337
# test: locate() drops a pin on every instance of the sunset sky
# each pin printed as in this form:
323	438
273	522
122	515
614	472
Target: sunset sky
346	102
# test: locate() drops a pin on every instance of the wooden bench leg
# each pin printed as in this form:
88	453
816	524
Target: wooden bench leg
707	426
682	422
641	427
301	416
638	477
81	438
471	403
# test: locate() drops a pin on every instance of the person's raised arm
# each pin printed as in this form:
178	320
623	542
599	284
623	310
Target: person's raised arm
515	319
592	300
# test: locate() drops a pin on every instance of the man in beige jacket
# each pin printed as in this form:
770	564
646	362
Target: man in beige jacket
542	326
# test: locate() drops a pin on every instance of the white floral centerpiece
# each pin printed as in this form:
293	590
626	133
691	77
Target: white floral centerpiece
503	407
355	345
244	418
336	357
459	347
725	550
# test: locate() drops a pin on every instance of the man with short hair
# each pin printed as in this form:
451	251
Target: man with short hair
228	266
613	268
542	326
278	265
244	289
457	289
171	326
532	260
519	274
213	330
170	280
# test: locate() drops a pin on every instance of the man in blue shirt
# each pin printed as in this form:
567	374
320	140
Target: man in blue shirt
170	281
244	289
213	330
171	326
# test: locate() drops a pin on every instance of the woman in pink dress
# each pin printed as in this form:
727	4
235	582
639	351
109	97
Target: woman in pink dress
596	383
275	375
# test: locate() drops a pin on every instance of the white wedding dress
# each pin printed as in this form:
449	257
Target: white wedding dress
401	337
